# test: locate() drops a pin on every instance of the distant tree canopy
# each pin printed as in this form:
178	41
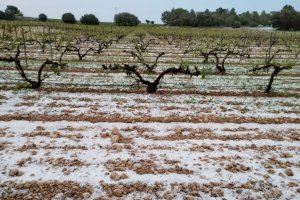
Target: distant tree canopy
68	18
11	12
149	22
219	17
89	19
286	19
43	17
178	17
126	19
2	15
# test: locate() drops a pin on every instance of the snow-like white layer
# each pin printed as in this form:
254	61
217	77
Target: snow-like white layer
132	105
203	162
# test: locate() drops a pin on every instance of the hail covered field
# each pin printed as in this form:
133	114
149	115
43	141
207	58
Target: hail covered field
148	113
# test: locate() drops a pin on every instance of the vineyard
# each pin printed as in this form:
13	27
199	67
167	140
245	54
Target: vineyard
148	112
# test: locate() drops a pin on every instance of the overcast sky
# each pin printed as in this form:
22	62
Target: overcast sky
144	9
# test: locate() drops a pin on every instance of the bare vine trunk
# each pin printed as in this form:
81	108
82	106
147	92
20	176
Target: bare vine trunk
269	87
151	88
221	69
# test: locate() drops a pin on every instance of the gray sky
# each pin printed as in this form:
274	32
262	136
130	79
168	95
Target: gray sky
144	9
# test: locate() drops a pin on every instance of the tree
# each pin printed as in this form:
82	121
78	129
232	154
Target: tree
147	21
126	19
233	12
236	24
219	17
8	16
43	17
178	17
245	18
221	11
68	18
165	17
287	19
265	18
152	22
89	19
255	18
2	15
13	10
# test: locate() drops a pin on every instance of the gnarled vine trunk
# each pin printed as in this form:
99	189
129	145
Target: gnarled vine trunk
269	87
151	88
34	84
221	69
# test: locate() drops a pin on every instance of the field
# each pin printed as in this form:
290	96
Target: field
94	130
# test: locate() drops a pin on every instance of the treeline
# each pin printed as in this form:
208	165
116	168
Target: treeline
219	17
286	19
120	19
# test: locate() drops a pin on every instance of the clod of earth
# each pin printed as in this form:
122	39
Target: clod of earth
15	172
